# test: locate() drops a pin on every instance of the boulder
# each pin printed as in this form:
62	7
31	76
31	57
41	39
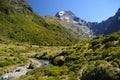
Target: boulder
59	60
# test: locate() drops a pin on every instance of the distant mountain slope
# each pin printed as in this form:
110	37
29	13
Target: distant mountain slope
76	25
19	22
87	30
108	26
115	24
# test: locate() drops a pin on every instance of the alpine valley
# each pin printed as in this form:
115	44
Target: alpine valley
60	47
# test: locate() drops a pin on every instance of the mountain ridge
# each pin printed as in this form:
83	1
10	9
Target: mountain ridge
69	20
107	26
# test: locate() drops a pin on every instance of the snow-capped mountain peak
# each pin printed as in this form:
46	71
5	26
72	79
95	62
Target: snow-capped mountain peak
78	26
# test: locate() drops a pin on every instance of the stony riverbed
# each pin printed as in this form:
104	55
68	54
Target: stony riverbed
22	70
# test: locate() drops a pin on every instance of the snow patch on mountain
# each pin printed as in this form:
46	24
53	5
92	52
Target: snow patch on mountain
61	13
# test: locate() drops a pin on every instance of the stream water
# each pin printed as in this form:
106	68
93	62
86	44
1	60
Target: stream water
22	70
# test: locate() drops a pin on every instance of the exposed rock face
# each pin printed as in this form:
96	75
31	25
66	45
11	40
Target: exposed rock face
100	28
115	24
77	26
108	26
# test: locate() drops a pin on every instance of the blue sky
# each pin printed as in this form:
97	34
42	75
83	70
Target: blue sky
89	10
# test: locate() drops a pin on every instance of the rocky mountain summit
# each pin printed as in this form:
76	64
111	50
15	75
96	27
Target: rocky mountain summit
77	26
86	30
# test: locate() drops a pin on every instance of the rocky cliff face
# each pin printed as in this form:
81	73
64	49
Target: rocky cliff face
115	23
100	28
77	26
108	26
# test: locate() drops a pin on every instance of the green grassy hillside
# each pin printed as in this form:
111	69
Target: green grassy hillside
97	59
18	22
